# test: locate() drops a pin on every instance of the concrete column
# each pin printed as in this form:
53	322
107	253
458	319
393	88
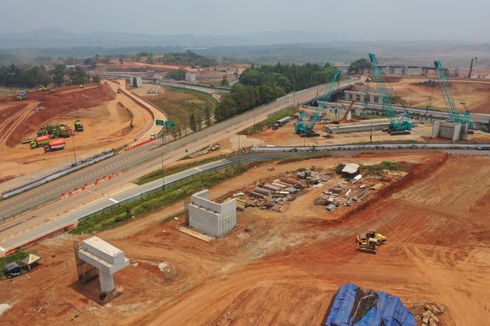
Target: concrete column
404	70
464	131
457	132
380	99
435	129
371	98
392	70
346	96
361	98
106	281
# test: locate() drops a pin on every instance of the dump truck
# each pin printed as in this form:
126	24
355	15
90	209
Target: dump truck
55	145
21	96
60	130
78	125
40	141
42	131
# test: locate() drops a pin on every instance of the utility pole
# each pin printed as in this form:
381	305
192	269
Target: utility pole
163	174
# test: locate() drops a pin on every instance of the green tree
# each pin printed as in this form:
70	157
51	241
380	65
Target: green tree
359	66
178	74
77	75
96	79
59	74
193	122
207	115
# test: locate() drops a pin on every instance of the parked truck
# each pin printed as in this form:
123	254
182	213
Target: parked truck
55	145
21	96
40	141
281	122
78	125
60	130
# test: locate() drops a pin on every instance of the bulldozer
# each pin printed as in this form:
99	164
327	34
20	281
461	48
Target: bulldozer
364	245
369	241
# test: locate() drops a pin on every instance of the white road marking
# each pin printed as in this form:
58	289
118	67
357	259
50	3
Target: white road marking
113	200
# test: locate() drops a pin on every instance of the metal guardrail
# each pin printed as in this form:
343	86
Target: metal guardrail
429	146
57	174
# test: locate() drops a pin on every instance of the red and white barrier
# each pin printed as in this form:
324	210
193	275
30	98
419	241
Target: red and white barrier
88	185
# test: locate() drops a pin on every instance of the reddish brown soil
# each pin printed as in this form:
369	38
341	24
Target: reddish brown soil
412	91
62	101
286	270
110	121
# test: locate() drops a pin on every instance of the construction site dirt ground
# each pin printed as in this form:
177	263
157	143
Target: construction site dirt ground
285	267
106	116
286	136
473	95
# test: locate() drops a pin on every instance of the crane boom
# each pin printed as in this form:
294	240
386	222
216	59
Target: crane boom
455	115
305	128
397	123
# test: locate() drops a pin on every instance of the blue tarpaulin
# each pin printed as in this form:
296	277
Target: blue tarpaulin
353	307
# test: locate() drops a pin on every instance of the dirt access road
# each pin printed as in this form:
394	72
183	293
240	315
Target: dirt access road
110	120
286	268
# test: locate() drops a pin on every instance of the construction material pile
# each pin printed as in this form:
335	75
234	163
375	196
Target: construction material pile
275	194
352	305
430	315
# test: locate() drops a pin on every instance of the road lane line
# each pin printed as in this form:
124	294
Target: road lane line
113	200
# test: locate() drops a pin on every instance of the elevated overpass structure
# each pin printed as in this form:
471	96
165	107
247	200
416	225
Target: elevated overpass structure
407	69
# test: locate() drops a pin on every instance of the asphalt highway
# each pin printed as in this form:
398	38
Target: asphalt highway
133	162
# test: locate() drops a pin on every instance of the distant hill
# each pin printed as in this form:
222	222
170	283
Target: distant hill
267	47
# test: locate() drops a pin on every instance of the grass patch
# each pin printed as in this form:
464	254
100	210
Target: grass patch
297	159
158	174
171	194
10	91
377	169
179	104
268	122
16	257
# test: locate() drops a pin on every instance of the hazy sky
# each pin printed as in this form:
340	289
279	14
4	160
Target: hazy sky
375	19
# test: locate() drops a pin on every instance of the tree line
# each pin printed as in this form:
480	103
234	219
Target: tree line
23	76
263	84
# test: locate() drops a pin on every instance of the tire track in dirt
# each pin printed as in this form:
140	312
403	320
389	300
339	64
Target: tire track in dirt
8	126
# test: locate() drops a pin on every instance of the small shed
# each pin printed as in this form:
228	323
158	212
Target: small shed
350	170
31	261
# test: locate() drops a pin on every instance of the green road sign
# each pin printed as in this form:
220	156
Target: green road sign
160	123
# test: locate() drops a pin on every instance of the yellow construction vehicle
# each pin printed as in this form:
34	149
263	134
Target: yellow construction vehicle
376	237
369	241
364	245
